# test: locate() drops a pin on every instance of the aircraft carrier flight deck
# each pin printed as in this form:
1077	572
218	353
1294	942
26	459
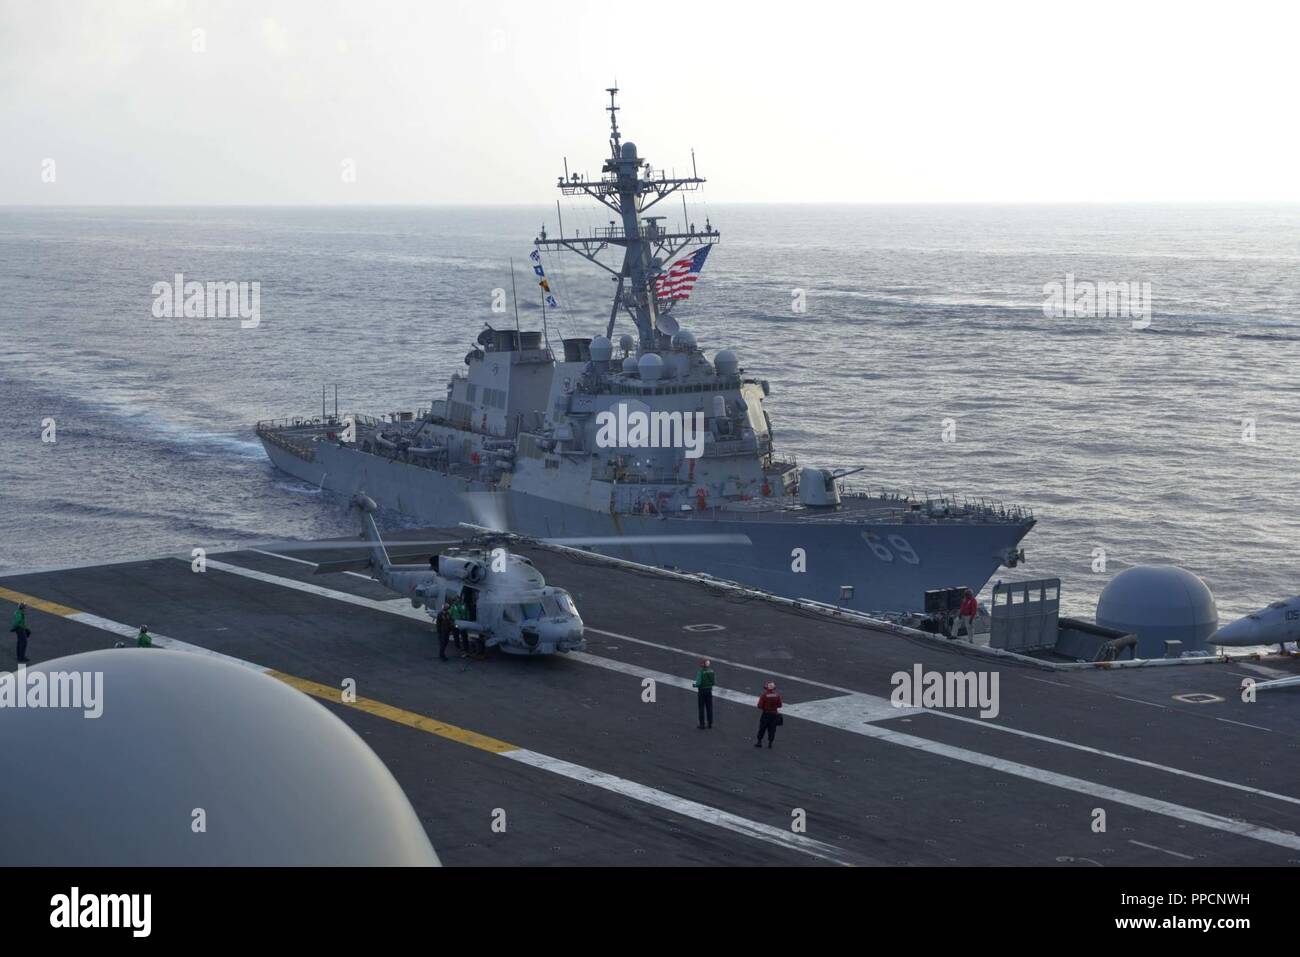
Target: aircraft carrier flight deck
595	758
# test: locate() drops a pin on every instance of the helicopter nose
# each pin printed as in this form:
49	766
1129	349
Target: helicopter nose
562	632
554	629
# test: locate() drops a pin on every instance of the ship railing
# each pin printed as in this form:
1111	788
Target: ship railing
765	510
729	447
307	424
298	422
282	432
926	506
649	231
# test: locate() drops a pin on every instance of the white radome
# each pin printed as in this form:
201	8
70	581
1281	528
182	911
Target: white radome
1159	603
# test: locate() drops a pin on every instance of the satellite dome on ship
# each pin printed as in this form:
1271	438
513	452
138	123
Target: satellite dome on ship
1159	603
650	367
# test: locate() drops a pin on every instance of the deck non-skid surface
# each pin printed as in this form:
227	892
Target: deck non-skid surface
589	772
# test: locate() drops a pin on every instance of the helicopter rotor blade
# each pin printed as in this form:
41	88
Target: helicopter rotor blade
360	543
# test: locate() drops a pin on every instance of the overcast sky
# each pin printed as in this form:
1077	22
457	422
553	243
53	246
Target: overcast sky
478	102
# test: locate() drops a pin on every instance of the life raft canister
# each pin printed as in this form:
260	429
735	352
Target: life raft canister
701	499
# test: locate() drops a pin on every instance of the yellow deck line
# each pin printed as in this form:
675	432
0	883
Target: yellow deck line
54	608
399	715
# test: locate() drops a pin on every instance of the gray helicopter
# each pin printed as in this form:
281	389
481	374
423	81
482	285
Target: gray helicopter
507	603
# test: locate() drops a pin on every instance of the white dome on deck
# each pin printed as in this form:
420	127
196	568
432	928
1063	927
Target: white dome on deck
1159	603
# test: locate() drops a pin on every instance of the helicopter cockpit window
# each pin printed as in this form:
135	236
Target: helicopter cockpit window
553	609
532	609
511	613
566	603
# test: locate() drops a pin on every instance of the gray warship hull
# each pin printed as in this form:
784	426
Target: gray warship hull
837	548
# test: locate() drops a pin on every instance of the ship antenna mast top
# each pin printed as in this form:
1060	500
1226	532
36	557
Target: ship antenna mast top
629	187
614	137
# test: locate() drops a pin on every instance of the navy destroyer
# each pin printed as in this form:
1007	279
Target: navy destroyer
651	451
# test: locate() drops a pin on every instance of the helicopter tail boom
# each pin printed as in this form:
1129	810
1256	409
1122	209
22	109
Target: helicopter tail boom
379	561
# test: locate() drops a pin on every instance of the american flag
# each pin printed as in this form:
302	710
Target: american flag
679	279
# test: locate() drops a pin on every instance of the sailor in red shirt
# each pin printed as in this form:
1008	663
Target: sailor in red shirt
966	614
769	702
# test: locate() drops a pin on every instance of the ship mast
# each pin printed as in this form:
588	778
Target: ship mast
629	187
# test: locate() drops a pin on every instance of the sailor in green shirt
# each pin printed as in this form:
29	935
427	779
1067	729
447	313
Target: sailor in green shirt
458	614
705	681
19	628
144	639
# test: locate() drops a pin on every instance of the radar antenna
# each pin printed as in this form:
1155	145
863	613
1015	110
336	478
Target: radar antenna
614	138
629	187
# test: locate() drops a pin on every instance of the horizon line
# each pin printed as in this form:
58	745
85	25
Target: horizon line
751	202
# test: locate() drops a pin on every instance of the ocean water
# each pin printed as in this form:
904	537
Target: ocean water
1176	443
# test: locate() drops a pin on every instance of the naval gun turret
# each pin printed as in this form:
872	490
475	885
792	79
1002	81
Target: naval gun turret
820	487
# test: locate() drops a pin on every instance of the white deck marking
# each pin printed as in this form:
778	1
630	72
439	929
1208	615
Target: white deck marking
960	754
1059	684
850	707
376	604
301	561
682	806
1006	729
1162	850
159	641
609	782
1245	725
1126	758
723	661
1265	670
847	711
1090	788
287	558
660	677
